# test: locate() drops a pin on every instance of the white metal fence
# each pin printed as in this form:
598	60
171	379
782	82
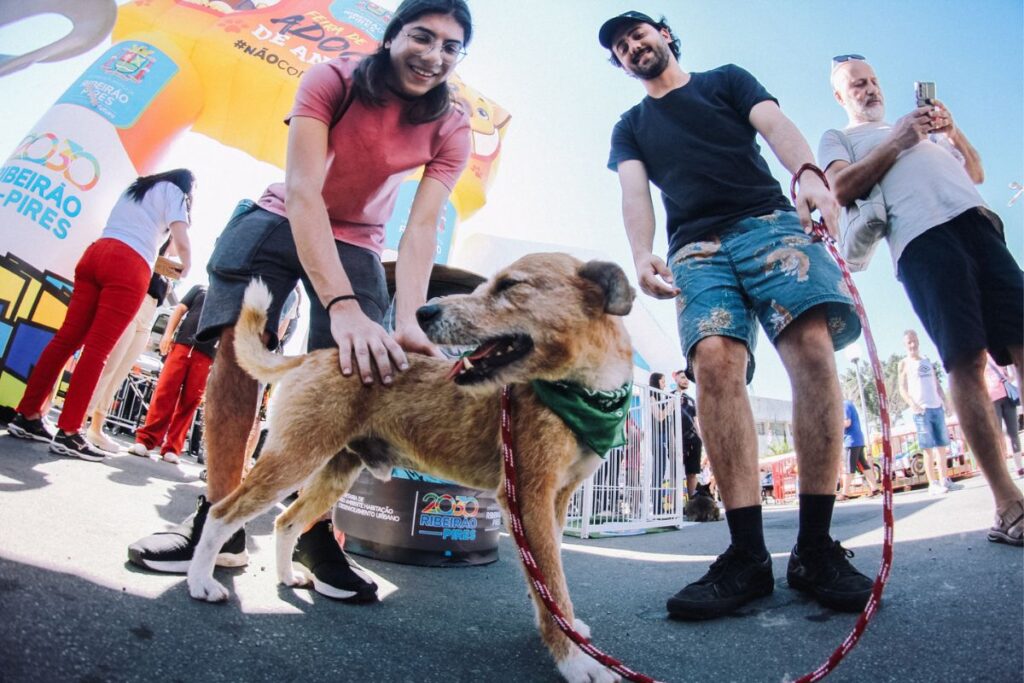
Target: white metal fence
641	485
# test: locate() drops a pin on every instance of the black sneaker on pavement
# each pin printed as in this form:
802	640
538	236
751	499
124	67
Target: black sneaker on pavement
334	573
171	551
75	446
825	573
23	428
734	579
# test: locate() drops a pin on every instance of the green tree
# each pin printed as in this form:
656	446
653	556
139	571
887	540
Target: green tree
890	371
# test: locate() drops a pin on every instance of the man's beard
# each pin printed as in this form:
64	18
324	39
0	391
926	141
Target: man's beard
655	67
873	112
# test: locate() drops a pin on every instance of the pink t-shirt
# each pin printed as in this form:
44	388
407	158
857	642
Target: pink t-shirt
993	382
370	152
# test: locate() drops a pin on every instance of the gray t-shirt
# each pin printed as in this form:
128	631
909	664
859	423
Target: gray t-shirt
926	187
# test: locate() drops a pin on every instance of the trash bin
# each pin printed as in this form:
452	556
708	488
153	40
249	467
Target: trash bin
417	519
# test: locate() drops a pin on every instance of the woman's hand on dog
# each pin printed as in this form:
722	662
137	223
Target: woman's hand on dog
413	339
362	343
654	277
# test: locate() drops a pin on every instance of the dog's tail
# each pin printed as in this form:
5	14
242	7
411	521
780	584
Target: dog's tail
253	356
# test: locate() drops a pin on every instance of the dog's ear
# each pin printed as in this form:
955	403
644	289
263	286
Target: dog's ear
618	294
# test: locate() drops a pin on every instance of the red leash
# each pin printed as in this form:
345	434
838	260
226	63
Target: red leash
821	233
536	577
532	570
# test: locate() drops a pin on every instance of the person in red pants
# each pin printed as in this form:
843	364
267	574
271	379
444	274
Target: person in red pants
111	280
182	382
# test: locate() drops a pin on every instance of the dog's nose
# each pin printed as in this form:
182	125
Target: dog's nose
427	314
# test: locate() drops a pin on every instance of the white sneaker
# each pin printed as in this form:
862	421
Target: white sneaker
139	450
937	490
171	458
102	441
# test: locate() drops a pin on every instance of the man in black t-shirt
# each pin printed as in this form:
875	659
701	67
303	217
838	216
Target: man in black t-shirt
739	253
692	445
182	382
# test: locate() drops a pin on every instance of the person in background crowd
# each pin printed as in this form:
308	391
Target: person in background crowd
692	445
122	357
920	388
853	441
111	280
662	453
1005	399
181	385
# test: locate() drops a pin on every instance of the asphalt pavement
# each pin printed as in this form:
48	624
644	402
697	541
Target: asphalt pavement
73	609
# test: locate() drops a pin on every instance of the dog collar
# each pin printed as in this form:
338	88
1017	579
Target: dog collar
598	418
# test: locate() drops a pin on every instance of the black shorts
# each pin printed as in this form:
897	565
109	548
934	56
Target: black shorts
691	455
259	243
966	288
855	460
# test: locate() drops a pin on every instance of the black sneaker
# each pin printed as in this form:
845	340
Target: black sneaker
734	579
22	428
75	446
825	573
333	572
171	551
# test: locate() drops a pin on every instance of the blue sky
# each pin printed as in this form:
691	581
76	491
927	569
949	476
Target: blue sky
541	61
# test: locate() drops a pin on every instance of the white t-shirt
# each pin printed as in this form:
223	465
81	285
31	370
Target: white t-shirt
926	187
922	385
145	224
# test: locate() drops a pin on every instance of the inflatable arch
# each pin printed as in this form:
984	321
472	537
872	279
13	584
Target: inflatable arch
227	70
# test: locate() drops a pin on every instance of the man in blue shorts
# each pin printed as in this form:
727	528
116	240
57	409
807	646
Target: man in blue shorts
739	254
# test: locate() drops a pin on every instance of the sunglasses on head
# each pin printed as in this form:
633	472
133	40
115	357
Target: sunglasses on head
839	59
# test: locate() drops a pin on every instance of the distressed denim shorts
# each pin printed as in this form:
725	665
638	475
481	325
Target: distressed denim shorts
760	269
931	428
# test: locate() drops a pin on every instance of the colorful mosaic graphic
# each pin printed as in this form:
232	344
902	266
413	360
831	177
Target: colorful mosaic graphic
32	307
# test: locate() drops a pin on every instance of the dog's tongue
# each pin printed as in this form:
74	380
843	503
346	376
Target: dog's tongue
466	362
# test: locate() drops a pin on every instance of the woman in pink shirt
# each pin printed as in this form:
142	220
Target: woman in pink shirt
996	379
356	131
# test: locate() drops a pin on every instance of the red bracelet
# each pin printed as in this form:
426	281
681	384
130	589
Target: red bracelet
807	167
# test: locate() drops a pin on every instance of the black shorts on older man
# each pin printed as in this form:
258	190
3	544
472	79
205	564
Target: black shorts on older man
966	287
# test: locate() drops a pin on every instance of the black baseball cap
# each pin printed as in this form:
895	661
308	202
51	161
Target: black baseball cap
611	27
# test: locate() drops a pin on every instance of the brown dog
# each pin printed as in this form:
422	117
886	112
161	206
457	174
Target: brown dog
547	316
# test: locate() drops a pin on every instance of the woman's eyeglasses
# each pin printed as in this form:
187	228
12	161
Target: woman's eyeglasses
452	51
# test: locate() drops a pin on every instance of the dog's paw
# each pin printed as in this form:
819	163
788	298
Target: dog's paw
287	576
581	628
580	668
207	588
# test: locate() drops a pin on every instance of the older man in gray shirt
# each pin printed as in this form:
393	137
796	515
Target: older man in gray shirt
948	250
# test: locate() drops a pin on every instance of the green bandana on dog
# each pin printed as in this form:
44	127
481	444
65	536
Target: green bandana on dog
596	417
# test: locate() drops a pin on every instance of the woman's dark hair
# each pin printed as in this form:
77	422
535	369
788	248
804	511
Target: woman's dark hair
673	43
655	381
370	78
181	177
